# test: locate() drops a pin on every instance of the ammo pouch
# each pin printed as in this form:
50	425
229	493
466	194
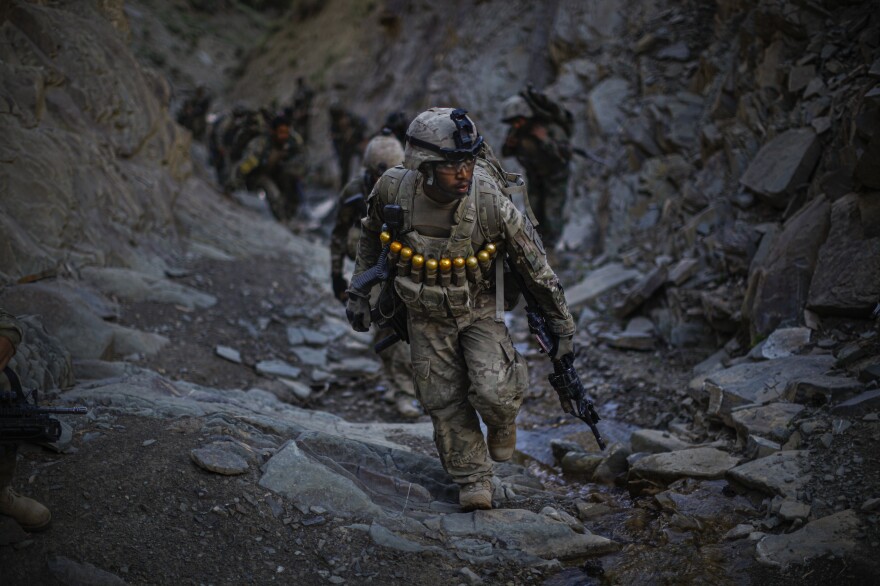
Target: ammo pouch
433	300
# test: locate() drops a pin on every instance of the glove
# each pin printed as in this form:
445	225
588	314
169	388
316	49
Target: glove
339	287
357	310
564	346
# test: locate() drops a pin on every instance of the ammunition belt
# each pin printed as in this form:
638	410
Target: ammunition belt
444	272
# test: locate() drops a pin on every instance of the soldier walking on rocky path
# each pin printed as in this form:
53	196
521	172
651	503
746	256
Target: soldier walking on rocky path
348	132
382	153
458	227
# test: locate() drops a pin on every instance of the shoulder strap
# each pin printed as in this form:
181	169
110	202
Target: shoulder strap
400	191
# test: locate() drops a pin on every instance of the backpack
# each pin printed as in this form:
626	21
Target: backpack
548	110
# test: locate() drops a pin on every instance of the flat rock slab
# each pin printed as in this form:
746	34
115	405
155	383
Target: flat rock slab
138	287
667	467
831	388
215	459
864	403
629	340
782	473
599	281
309	483
278	368
783	164
523	530
297	336
227	353
654	441
760	382
310	356
772	421
785	342
835	535
358	366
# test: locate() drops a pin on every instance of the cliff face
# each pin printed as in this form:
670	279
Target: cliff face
740	137
739	134
91	163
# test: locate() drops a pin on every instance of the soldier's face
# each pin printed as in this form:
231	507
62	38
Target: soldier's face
455	178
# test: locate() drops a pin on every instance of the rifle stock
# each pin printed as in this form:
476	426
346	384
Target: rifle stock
22	421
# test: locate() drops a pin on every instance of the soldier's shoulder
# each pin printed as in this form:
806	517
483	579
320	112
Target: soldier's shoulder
389	183
353	187
486	181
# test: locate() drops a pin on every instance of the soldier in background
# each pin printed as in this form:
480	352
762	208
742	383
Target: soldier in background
301	107
348	132
539	139
397	122
193	114
276	155
28	513
461	228
382	152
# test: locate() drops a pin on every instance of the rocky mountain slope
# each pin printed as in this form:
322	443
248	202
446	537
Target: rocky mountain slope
737	211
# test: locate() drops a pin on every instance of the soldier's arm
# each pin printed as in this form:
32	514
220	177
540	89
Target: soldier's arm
369	246
10	337
552	142
527	254
339	236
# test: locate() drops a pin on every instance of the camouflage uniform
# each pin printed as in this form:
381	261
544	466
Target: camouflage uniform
10	329
344	242
347	131
546	165
463	359
283	164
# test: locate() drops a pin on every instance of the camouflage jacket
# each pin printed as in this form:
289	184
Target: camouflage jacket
346	232
262	153
493	217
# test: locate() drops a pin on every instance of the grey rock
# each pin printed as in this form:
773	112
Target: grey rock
629	340
598	282
676	52
654	441
783	164
871	505
278	368
758	383
783	473
139	287
580	463
613	465
682	271
739	532
587	511
641	292
605	103
847	277
295	475
470	576
227	353
708	366
785	342
311	356
215	459
382	536
297	336
704	462
759	447
791	510
836	535
831	388
799	77
867	401
526	531
359	366
772	421
302	391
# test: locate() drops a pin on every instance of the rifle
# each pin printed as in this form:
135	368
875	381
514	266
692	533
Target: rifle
388	312
23	421
565	379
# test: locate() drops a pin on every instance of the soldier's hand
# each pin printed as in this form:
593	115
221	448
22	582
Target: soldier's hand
564	346
357	310
339	287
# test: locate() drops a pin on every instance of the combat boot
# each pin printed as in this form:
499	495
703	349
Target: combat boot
502	442
406	407
476	495
28	513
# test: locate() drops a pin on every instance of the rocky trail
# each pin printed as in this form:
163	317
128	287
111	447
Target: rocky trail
722	265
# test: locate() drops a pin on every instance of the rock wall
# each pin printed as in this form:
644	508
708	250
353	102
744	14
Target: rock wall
742	134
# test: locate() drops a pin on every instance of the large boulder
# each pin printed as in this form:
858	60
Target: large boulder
847	277
783	164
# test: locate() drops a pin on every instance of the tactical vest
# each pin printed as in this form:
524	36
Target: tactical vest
479	223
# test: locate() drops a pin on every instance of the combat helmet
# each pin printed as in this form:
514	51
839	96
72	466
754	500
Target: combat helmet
441	135
382	153
514	107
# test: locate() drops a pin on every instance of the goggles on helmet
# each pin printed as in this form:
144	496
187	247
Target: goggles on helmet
466	147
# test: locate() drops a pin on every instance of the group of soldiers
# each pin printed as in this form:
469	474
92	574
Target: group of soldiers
433	203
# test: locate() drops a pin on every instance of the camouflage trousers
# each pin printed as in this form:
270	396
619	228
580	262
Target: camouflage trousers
547	199
396	364
461	368
8	450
